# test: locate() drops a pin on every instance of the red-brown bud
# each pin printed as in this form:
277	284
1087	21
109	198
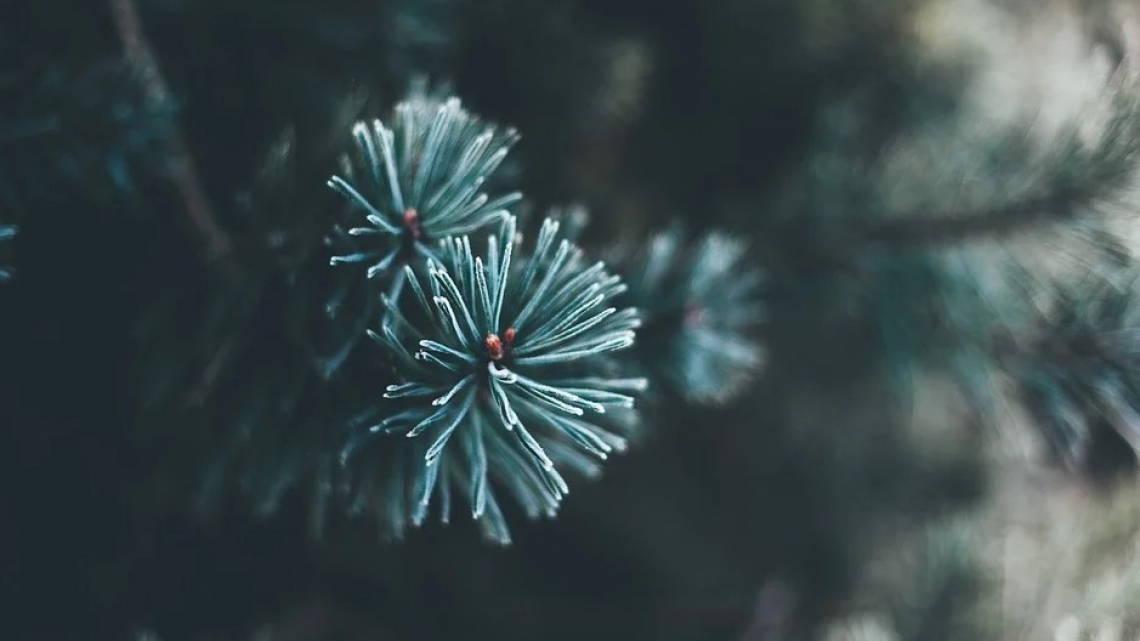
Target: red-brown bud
494	347
412	223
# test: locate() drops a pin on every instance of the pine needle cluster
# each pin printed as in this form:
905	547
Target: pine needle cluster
504	373
701	305
498	368
1078	376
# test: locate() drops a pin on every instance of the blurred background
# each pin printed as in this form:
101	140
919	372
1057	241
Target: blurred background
939	192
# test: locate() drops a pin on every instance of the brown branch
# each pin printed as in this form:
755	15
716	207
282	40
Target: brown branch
949	228
137	52
1080	182
842	251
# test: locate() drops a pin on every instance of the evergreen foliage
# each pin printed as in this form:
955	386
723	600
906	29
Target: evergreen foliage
701	308
7	233
884	207
508	360
1077	373
419	182
95	131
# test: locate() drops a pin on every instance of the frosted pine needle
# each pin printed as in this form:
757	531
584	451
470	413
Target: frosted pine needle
504	377
699	304
419	181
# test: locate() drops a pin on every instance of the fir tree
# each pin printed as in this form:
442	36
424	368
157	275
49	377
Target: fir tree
347	299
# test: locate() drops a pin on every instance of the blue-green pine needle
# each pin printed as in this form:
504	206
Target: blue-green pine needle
701	306
420	181
1083	368
506	378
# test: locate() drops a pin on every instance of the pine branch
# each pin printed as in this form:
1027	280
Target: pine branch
1077	377
950	228
139	54
1079	180
701	304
